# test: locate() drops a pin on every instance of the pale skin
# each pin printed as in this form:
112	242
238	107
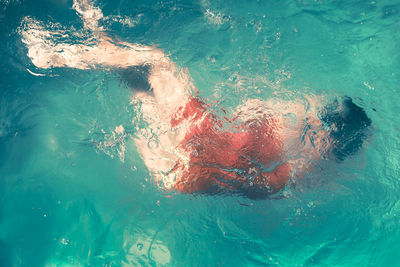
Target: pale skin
171	89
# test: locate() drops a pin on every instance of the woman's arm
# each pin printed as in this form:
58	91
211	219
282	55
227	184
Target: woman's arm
97	51
45	53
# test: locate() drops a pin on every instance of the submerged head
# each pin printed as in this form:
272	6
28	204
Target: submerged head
348	125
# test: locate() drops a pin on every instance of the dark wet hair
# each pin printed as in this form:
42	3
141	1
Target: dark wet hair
348	124
136	78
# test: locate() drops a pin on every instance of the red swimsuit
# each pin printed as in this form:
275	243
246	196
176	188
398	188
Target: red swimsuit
232	159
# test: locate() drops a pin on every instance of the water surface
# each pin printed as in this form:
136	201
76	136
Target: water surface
75	193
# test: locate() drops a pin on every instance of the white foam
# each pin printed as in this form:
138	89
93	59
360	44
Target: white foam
90	14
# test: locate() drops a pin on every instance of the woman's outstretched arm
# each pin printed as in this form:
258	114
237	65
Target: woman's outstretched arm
46	50
52	47
45	53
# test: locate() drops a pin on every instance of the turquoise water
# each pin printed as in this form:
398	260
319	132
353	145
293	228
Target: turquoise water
70	195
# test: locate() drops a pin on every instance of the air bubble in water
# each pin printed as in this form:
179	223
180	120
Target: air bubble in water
64	241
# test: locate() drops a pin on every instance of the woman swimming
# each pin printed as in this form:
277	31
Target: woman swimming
254	152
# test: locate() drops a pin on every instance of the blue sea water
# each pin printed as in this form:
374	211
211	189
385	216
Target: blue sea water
71	196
